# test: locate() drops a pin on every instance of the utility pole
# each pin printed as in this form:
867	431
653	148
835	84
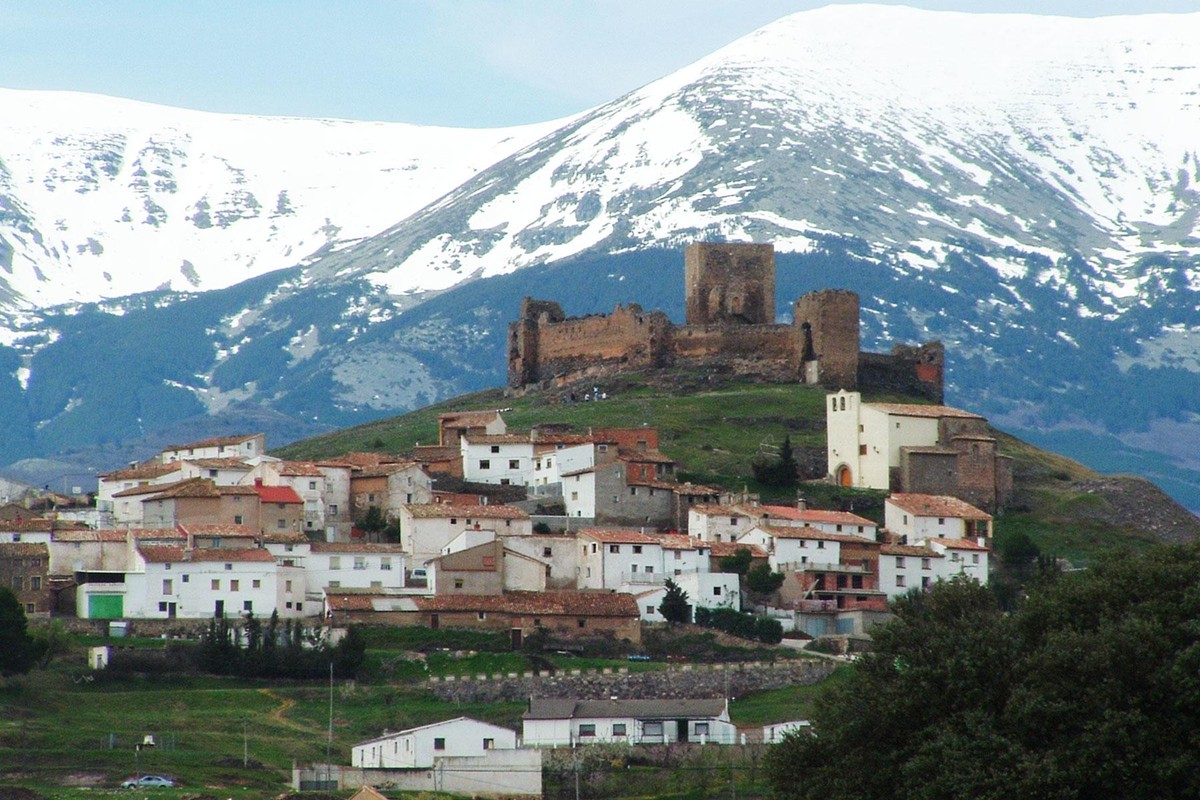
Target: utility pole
245	747
329	739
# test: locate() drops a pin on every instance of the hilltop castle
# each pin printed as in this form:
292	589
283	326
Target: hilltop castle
730	301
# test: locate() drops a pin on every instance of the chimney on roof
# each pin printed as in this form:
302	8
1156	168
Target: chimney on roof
132	464
258	481
801	503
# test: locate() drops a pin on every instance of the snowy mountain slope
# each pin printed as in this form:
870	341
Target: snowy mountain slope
102	198
910	129
1020	187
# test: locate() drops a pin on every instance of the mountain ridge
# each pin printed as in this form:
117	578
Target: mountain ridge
1027	199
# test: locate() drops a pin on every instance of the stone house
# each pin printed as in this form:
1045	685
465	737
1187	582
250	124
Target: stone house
488	568
564	616
453	426
388	487
25	569
912	448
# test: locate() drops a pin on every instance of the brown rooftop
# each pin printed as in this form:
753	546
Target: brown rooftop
575	604
918	410
446	510
936	505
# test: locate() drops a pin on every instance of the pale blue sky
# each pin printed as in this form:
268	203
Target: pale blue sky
478	63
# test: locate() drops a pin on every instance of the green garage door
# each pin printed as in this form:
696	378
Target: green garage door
106	606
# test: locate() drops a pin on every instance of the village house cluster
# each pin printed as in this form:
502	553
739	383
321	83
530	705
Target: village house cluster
573	535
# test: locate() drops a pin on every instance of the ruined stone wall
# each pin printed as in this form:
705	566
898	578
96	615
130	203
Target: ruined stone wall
549	346
908	369
828	330
767	350
729	283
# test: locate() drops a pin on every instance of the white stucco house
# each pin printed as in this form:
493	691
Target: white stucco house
420	748
918	517
566	723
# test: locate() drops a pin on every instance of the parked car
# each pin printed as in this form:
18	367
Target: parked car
149	782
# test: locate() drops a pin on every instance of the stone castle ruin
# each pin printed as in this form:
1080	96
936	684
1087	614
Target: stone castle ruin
730	327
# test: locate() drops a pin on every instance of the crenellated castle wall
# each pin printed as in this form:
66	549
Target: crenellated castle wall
730	301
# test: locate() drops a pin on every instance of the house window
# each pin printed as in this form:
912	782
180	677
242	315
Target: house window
649	609
488	744
514	463
281	523
941	520
229	566
370	497
637	548
974	558
185	578
237	519
587	729
333	509
574	495
925	564
35	582
900	581
248	605
335	584
652	729
360	562
485	463
547	552
838	528
820	545
454	521
614	548
649	568
701	729
215	585
287	586
618	729
235	586
168	587
593	547
679	555
335	562
716	591
312	485
495	448
458	583
862	449
385	564
582	623
30	608
439	743
924	583
212	473
481	614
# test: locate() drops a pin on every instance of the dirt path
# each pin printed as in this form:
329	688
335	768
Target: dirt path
278	714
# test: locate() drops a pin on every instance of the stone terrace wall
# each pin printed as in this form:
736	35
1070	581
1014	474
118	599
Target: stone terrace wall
771	350
698	681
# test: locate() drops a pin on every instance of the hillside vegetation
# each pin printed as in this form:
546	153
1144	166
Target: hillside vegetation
714	427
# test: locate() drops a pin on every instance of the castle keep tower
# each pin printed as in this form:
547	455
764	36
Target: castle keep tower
827	323
729	283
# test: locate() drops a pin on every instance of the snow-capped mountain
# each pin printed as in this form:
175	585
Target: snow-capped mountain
102	198
1018	186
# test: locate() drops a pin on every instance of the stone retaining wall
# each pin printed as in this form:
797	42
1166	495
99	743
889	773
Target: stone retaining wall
696	681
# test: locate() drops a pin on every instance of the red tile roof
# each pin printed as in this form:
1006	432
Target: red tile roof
916	410
300	469
908	550
190	488
152	488
278	494
617	536
812	515
467	419
204	555
236	531
83	535
220	463
936	505
356	547
215	441
726	549
148	470
446	510
959	544
805	532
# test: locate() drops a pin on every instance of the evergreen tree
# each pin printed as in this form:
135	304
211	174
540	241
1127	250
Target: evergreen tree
675	607
18	650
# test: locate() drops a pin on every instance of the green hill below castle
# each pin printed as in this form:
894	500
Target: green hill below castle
714	427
